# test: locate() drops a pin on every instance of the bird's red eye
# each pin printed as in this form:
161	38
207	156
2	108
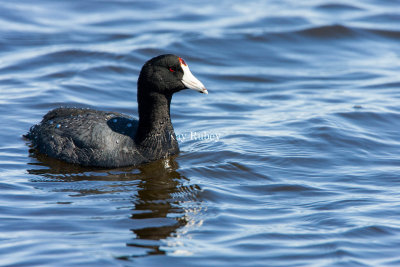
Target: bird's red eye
172	69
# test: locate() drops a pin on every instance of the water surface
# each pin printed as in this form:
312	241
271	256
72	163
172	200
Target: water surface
293	159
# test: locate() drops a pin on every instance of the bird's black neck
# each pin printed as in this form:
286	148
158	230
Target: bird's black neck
155	136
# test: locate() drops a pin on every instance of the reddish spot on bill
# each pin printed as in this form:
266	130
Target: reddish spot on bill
182	61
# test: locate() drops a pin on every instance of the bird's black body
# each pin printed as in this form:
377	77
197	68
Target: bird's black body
108	139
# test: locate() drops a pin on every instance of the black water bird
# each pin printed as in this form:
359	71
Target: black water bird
109	139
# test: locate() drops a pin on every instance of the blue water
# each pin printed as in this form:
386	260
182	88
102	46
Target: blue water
293	159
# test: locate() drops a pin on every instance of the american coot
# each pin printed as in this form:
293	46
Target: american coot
109	139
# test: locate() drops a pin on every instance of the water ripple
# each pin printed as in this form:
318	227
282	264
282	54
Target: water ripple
291	160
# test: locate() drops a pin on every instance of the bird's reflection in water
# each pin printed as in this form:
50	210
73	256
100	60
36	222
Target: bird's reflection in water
156	198
160	194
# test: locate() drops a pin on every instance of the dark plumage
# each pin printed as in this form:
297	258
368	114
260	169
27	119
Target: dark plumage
108	139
